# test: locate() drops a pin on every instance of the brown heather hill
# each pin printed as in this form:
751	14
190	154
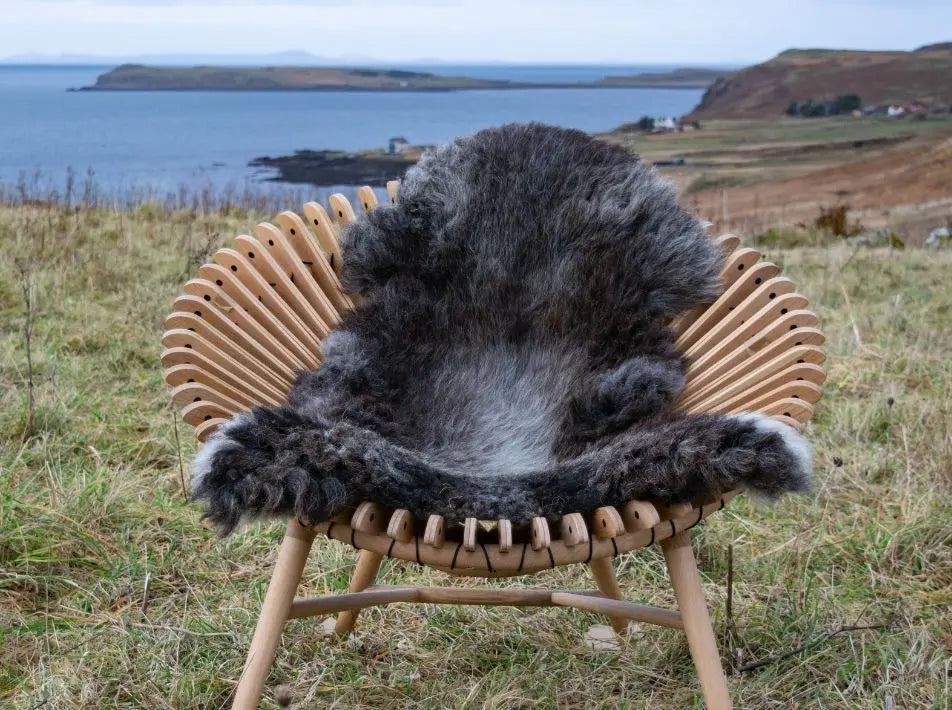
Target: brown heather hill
765	90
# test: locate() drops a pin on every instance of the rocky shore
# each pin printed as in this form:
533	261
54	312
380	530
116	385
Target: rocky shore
329	167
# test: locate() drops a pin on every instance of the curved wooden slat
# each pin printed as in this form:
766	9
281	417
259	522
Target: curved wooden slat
607	523
393	189
189	340
197	323
191	392
367	197
341	209
297	271
259	259
806	393
737	263
503	526
211	311
321	223
189	356
435	533
400	526
222	291
639	515
540	534
197	413
368	518
572	529
208	427
798	409
470	532
744	358
315	259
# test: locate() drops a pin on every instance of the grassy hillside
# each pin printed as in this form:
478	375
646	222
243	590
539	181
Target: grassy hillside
765	90
113	592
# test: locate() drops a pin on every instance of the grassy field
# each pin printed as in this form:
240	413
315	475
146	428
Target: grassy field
92	514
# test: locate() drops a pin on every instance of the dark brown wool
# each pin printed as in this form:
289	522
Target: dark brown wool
509	357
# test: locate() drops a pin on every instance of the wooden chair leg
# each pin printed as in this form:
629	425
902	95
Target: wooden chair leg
607	583
274	613
368	563
697	622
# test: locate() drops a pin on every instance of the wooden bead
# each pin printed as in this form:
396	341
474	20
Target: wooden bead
639	515
541	537
573	530
435	533
401	525
607	523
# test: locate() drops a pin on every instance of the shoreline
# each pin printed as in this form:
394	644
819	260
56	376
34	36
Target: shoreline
398	90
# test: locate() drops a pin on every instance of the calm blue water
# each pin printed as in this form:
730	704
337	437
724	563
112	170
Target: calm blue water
167	139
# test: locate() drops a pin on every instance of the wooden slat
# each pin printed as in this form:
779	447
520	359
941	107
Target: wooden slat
607	523
798	409
540	535
213	311
180	338
470	531
503	526
393	188
191	392
176	375
323	228
802	392
572	529
400	526
201	326
198	412
219	288
341	209
368	518
276	279
639	515
744	358
259	289
737	263
367	197
208	427
435	533
315	258
298	273
737	394
190	356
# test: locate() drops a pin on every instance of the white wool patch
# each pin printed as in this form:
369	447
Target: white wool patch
202	463
799	447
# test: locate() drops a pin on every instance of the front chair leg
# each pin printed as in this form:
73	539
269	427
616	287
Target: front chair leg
697	622
274	613
368	562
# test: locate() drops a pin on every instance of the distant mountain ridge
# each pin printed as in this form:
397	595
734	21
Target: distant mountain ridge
878	77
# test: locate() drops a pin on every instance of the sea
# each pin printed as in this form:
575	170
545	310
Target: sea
154	142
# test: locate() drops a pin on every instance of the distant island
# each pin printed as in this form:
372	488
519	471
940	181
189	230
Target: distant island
818	77
138	77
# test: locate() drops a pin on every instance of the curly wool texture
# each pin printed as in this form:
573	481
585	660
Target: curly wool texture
509	357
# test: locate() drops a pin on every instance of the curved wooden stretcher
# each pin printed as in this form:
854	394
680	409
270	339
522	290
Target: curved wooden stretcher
255	317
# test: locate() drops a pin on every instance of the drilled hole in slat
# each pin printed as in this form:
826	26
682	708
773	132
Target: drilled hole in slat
234	268
188	345
758	280
198	313
207	297
773	296
340	213
292	231
190	379
251	255
271	241
207	417
783	311
793	327
197	399
218	282
740	267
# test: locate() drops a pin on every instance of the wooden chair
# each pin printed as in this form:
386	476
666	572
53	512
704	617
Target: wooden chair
256	316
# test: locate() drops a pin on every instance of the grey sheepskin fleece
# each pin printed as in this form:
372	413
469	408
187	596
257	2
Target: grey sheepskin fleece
509	358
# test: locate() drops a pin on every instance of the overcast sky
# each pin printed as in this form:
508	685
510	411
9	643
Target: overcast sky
639	31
